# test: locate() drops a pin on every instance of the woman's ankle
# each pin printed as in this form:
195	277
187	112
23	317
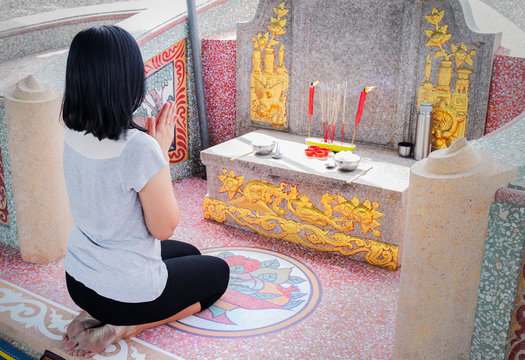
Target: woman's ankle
128	331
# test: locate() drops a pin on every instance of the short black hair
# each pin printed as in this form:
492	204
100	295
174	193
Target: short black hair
104	82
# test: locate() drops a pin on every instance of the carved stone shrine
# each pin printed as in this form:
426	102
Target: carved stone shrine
411	51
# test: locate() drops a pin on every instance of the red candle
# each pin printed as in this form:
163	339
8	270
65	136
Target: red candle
360	108
311	100
361	105
311	104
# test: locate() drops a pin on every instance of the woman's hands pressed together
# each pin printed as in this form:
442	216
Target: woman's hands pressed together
159	205
163	127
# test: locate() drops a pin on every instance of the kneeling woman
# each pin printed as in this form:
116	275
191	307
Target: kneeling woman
120	269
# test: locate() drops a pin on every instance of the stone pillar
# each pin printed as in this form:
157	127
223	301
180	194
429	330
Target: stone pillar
35	139
449	198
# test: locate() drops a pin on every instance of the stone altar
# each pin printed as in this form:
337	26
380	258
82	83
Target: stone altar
295	198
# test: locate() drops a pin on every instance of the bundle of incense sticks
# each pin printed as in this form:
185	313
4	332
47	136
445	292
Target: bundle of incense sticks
331	96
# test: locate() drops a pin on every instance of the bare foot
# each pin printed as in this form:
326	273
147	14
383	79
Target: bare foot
82	322
94	340
79	353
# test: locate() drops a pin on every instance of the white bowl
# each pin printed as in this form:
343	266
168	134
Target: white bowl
346	161
263	148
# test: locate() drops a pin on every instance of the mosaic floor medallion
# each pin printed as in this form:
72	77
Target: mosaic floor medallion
268	291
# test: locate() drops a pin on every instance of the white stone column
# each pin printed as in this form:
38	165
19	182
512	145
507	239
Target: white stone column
35	137
449	197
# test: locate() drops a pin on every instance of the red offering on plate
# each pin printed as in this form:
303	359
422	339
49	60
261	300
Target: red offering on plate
316	151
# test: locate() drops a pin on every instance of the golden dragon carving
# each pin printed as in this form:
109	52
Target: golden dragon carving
270	210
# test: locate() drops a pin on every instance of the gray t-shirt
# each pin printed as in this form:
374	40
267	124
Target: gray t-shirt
110	249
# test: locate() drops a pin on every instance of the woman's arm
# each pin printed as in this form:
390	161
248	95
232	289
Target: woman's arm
161	211
159	205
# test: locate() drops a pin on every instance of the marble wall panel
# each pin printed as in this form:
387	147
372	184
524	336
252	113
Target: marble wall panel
507	91
378	43
500	271
218	66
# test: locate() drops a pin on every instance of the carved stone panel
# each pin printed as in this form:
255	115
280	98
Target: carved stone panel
372	43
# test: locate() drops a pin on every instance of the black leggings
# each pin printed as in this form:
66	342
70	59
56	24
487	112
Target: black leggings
192	278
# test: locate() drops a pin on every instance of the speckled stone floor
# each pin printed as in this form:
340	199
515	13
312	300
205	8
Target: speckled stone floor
284	301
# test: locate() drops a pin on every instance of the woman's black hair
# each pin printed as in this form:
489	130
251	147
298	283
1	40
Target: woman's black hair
104	82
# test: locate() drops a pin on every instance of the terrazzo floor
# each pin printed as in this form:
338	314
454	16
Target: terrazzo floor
283	302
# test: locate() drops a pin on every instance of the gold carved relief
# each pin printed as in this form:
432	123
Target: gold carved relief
270	210
269	79
450	106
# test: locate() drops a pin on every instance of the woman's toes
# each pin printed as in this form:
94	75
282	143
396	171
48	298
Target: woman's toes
80	323
80	352
94	340
70	345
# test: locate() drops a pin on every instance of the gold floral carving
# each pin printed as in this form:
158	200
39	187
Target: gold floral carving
269	79
450	107
282	212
